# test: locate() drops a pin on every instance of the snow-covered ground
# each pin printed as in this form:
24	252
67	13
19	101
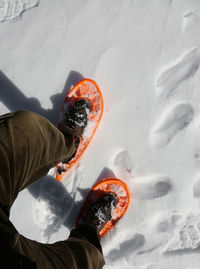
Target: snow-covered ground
145	56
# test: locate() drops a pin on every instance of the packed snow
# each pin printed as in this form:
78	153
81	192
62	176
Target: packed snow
145	57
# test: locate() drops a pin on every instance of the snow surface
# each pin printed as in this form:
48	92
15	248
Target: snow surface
13	9
145	57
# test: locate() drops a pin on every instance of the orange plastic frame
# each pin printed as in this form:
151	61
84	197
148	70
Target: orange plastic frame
58	176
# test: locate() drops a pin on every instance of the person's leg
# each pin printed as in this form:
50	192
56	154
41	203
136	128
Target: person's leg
29	146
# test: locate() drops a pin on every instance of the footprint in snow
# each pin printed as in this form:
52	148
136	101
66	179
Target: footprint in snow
173	120
121	163
126	244
184	68
188	237
163	221
150	187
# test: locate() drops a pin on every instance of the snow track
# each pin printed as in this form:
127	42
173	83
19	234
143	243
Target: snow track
172	121
183	69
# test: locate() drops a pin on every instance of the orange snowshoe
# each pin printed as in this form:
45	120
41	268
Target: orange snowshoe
86	89
118	206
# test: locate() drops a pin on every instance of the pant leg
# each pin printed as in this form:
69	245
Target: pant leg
29	146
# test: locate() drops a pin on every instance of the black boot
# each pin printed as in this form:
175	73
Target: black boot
76	117
99	209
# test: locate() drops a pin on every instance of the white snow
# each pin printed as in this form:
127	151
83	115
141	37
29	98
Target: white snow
145	57
13	9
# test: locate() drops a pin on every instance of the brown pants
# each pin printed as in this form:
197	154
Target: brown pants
29	146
